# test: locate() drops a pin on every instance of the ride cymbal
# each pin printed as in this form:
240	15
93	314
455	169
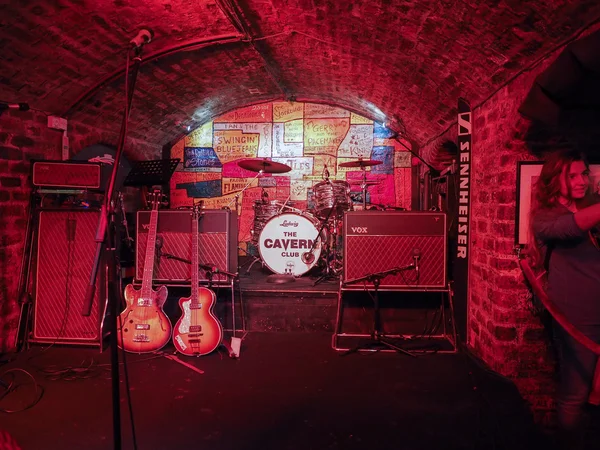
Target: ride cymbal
256	165
361	163
367	183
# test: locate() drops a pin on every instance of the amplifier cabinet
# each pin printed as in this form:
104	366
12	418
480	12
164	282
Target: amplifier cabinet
377	241
65	251
217	244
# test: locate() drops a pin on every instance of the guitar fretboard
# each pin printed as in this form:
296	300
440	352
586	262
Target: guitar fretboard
195	261
150	253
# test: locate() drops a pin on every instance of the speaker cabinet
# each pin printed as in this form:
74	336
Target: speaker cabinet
64	258
217	242
378	241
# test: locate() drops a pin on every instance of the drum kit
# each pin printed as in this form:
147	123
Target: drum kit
292	241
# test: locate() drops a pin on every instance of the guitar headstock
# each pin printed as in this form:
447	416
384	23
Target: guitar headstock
156	198
197	209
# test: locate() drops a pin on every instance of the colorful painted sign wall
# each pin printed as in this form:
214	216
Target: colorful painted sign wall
310	138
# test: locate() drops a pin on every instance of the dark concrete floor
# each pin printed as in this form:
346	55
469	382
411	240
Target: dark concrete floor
286	391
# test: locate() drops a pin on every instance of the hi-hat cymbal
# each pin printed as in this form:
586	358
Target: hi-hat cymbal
361	163
256	165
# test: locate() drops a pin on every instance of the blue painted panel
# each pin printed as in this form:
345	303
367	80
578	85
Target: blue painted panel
202	189
385	154
200	157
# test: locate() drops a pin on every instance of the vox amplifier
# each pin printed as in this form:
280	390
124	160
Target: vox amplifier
379	241
65	256
217	242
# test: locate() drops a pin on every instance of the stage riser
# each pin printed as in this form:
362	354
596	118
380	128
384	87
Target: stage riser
289	311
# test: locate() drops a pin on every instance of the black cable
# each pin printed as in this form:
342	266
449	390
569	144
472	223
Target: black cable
11	387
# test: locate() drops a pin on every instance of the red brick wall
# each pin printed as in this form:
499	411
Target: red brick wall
502	329
25	136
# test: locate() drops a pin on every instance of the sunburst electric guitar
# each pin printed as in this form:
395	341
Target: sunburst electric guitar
143	326
198	331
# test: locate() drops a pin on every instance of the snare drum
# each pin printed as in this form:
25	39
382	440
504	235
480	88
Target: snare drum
285	238
326	193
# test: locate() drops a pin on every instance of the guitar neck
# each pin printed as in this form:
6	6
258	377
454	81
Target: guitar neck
150	254
195	260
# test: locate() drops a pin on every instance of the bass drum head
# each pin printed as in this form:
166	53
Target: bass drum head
284	239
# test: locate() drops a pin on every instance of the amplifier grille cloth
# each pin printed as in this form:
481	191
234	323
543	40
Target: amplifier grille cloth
368	254
66	250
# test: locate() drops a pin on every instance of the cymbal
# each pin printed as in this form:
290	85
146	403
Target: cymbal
256	165
368	183
361	163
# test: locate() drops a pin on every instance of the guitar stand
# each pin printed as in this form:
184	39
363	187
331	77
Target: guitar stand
377	337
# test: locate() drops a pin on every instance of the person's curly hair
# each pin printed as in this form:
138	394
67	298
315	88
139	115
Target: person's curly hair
546	194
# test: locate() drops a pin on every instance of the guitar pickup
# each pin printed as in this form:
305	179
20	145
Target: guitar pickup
141	338
195	328
142	326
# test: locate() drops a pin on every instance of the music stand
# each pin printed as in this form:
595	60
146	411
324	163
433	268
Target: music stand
156	172
377	335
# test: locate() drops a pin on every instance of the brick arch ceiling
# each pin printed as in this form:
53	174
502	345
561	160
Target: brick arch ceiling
407	61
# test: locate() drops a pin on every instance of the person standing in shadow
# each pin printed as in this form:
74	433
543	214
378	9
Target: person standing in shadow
564	216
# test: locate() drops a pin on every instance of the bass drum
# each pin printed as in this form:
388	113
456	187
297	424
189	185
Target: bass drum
283	241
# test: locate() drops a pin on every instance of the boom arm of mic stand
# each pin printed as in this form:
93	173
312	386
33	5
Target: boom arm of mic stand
208	268
235	198
380	275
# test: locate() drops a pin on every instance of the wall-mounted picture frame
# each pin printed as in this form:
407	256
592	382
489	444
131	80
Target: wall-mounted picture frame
527	175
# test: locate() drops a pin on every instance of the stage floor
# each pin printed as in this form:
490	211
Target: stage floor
253	276
285	391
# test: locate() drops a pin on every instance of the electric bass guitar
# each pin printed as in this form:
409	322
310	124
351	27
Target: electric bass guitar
143	325
198	331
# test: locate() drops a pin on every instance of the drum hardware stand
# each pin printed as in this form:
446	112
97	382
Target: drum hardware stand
308	257
378	337
284	205
364	188
237	196
255	259
239	216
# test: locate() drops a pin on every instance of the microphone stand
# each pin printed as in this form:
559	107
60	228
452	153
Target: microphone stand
105	237
236	201
210	269
378	336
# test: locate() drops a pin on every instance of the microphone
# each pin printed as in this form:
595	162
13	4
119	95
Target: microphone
19	106
144	36
209	268
213	269
416	254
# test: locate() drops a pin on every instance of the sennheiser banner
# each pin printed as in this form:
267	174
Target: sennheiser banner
463	245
